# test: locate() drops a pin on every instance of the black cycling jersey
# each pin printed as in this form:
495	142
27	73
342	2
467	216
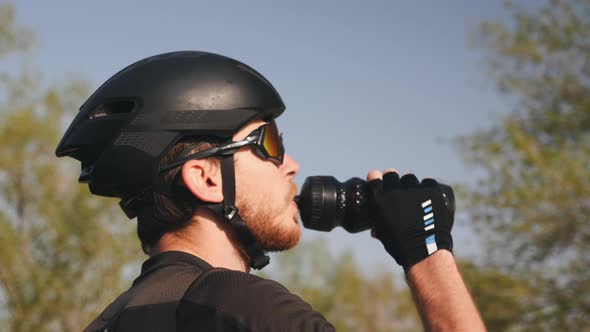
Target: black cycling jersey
177	291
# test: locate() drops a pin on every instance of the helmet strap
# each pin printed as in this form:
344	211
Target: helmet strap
228	210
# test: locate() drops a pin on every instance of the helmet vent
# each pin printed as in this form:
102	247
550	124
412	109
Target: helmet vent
188	116
137	140
151	143
112	108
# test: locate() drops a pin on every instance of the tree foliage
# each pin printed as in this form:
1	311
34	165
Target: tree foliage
62	251
533	203
350	298
13	38
503	299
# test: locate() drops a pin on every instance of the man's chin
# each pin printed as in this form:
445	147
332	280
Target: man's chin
274	231
283	240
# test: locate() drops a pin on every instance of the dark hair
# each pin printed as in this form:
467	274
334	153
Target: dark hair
163	213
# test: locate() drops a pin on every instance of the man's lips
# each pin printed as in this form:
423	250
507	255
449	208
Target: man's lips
293	192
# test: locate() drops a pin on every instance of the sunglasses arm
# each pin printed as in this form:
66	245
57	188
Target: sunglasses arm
223	151
231	148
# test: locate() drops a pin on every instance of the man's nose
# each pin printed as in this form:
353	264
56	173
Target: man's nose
290	167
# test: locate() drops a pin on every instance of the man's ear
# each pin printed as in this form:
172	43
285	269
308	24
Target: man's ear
203	178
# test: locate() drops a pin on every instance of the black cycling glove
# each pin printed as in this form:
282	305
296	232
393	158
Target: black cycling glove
411	218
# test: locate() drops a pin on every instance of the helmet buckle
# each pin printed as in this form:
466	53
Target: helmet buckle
229	212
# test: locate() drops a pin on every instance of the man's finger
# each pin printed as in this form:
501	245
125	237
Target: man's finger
390	179
389	170
410	180
429	182
374	175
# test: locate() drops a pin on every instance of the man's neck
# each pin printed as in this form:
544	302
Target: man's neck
207	238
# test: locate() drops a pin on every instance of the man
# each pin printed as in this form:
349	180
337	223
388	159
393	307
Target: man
188	141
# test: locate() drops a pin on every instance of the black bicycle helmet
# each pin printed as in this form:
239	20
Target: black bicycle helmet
131	121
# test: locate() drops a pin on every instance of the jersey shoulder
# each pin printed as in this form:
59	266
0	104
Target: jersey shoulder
222	299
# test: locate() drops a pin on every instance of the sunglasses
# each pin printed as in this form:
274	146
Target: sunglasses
266	141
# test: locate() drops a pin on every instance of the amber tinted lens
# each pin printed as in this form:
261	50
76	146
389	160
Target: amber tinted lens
272	142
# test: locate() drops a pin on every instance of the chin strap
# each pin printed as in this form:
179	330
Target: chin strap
228	210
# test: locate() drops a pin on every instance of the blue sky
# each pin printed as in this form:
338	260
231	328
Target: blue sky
368	85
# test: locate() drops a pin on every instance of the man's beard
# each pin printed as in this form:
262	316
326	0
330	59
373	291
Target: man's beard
271	233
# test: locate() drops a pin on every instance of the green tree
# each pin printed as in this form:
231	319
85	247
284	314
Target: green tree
498	295
336	286
62	251
532	204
